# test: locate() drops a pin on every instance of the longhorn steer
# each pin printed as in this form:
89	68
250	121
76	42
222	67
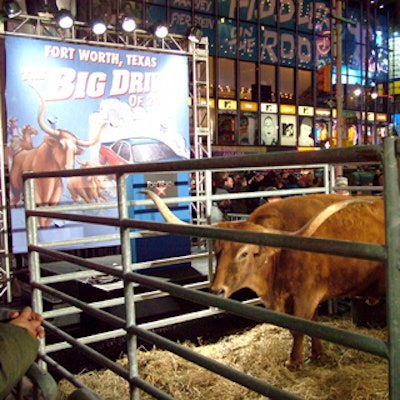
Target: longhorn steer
56	152
87	187
27	132
296	282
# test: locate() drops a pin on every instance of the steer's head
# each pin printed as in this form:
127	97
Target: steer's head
65	145
242	265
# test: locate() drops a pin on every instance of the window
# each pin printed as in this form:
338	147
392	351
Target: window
305	87
286	85
226	79
247	80
268	83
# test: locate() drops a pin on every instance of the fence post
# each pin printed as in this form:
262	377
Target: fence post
128	285
392	211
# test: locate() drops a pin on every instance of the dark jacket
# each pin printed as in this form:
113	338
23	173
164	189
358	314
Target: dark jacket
18	350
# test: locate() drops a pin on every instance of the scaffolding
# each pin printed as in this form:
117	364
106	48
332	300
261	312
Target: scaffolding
201	147
39	27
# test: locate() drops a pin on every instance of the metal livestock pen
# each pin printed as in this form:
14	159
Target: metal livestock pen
130	274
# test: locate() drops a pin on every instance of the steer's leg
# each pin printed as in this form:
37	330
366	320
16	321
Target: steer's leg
303	308
296	355
316	345
316	348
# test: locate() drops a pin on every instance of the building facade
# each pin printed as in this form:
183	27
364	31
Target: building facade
274	65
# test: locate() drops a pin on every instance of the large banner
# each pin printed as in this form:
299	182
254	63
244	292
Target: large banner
76	106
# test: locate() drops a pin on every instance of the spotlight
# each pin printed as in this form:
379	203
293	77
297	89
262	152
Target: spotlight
357	92
12	9
374	95
64	19
160	30
128	24
99	27
195	34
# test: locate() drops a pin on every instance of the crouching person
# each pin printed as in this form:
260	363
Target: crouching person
18	346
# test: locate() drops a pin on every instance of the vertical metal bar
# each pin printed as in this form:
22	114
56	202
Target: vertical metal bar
33	256
327	183
339	87
208	187
332	178
128	286
5	250
365	91
392	217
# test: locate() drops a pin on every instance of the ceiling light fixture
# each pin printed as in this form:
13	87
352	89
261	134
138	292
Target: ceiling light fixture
64	19
98	27
195	34
128	24
160	30
12	9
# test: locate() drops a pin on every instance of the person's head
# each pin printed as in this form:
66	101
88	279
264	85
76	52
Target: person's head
229	182
271	199
306	127
268	123
341	184
219	178
241	181
225	203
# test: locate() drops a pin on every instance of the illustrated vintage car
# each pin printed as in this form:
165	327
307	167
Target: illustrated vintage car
135	150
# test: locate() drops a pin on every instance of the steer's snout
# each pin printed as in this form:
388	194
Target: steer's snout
218	291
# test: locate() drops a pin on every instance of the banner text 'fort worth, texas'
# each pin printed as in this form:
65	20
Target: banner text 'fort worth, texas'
63	83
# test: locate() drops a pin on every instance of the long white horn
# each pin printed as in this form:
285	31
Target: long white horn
163	208
91	142
41	116
311	226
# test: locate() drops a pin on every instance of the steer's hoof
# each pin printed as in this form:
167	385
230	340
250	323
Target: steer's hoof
318	359
293	365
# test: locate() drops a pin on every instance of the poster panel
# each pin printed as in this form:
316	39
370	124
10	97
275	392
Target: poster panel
306	132
269	129
71	106
288	130
321	129
248	129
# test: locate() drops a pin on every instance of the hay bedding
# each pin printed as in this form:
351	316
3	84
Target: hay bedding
343	374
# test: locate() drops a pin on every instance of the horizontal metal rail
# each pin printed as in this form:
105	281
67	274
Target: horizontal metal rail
348	155
331	246
336	335
223	370
213	304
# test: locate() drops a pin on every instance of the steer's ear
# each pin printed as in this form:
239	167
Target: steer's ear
215	245
79	151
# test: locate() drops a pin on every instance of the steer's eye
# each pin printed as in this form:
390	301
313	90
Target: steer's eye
244	254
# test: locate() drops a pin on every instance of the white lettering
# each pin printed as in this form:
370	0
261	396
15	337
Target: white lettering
63	52
125	82
287	46
286	11
120	82
96	85
101	57
304	50
268	9
268	44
